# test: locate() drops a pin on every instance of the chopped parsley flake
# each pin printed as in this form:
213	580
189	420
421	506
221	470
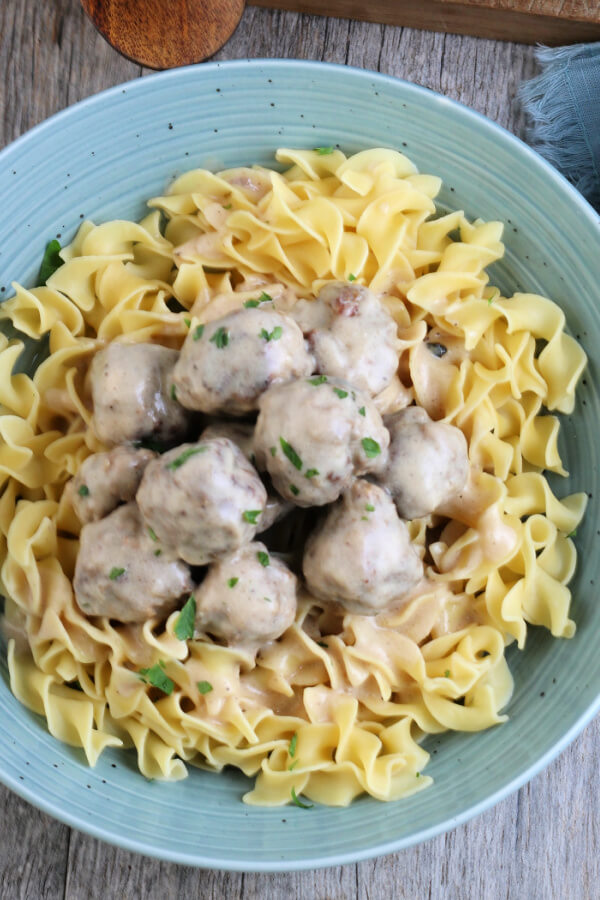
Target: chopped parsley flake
157	678
265	298
274	335
369	507
227	207
418	774
341	394
184	624
364	518
268	599
188	322
198	332
232	582
299	802
447	673
362	411
83	490
220	338
51	261
205	687
320	379
273	451
152	534
310	473
116	572
251	515
173	393
263	558
157	552
291	454
323	644
295	491
438	350
324	151
351	277
180	460
370	447
293	765
572	534
251	304
293	743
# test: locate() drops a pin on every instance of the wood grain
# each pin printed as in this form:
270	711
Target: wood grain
539	844
165	35
506	20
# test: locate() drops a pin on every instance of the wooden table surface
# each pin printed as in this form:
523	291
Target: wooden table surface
541	842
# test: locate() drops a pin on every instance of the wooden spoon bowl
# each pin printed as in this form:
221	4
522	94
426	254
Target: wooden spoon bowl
163	34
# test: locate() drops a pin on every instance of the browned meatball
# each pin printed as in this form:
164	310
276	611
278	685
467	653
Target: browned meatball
248	597
428	462
123	573
133	396
202	500
226	365
105	480
314	435
361	555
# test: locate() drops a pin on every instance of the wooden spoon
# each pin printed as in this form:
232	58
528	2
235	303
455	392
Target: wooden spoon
163	34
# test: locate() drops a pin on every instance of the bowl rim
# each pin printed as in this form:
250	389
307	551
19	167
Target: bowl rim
87	826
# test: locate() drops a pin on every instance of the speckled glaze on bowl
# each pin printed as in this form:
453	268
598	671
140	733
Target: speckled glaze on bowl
102	159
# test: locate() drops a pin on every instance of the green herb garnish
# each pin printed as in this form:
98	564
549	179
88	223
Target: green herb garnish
293	765
274	335
227	207
299	802
198	332
291	454
295	491
370	447
341	394
220	338
51	261
369	507
310	473
251	515
116	572
180	460
157	678
362	411
447	673
268	599
173	393
232	582
324	151
323	644
351	277
152	534
83	490
263	558
293	743
320	379
187	322
572	534
205	687
265	298
184	624
157	552
418	774
251	304
273	451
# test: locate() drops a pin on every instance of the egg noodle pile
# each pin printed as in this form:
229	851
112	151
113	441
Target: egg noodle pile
339	704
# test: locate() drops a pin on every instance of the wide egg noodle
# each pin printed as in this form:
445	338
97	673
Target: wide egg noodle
358	693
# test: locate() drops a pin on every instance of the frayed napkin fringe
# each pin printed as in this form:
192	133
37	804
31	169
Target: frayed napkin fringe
555	129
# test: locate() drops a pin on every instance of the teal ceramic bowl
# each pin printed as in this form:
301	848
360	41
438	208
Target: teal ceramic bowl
102	158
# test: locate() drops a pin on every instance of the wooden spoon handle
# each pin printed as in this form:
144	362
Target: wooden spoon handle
163	34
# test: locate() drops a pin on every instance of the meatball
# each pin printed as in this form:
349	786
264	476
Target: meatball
351	334
428	462
248	597
241	433
226	365
313	436
361	555
202	500
105	480
133	396
123	573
